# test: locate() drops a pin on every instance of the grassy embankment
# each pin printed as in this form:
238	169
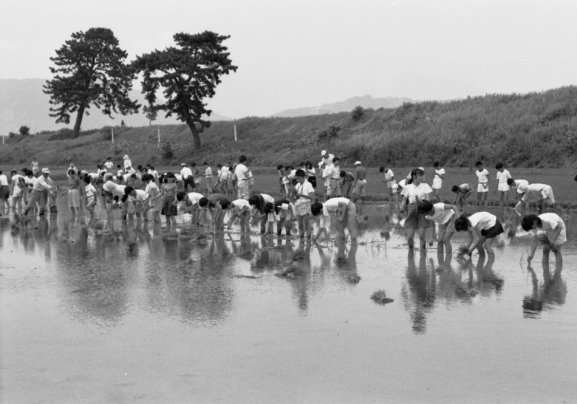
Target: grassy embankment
531	131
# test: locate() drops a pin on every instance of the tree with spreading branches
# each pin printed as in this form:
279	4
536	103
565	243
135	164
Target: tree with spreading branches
90	70
188	74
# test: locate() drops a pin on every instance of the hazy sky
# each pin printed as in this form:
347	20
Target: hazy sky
305	53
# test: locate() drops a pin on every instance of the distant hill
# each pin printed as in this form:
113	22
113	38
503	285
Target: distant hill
22	102
365	101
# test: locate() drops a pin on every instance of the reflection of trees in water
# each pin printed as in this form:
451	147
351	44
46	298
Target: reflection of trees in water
199	287
419	292
546	295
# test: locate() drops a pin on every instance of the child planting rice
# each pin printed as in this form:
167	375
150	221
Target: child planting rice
549	231
346	212
444	215
485	226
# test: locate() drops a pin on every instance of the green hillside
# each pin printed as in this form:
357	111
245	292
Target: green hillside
530	130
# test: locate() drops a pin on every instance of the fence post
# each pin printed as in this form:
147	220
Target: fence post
112	130
235	133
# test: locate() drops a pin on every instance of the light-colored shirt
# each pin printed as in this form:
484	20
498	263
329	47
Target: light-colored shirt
482	176
239	204
304	188
109	164
90	191
441	215
40	184
389	176
482	220
127	163
141	195
241	172
502	177
534	190
438	181
194	197
19	181
519	183
208	172
267	198
185	172
3	180
416	193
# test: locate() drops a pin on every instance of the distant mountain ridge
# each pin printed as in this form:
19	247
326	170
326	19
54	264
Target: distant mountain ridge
366	101
22	102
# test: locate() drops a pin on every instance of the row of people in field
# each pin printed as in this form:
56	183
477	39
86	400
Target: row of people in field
483	227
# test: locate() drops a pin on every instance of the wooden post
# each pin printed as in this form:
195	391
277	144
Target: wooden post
112	130
235	133
158	136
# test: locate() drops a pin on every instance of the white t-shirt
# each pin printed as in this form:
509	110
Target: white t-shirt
16	178
208	172
550	221
502	177
109	164
438	181
534	190
241	172
441	215
109	186
185	172
267	198
194	197
482	220
483	176
127	163
389	175
416	193
332	205
519	183
304	188
141	195
239	204
3	180
152	189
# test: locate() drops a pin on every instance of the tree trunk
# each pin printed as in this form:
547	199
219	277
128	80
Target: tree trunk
195	134
79	117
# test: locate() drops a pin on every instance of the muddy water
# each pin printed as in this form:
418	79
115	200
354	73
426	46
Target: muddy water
142	315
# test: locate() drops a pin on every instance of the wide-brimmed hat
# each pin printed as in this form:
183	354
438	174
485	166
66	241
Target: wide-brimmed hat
45	171
357	163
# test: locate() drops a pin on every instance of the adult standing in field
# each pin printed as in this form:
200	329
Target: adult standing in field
501	184
242	174
35	167
195	174
187	177
326	163
37	196
482	184
438	179
4	193
359	186
127	163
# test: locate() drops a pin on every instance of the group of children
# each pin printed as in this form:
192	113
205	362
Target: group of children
140	191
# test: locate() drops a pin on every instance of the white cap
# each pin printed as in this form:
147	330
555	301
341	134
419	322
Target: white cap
183	164
45	171
125	156
284	206
323	152
357	163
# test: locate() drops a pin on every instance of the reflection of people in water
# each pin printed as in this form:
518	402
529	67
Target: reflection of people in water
550	228
552	292
419	292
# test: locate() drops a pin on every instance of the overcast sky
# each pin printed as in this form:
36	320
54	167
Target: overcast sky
305	53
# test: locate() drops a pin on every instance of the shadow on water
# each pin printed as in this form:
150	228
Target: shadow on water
545	295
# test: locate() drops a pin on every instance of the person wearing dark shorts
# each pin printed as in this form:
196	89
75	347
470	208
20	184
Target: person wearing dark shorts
485	225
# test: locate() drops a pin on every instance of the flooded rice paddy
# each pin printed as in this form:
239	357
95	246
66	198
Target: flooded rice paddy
143	315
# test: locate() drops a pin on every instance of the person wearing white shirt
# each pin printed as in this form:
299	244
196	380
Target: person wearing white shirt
18	189
501	184
240	209
515	184
208	176
444	215
345	212
390	182
412	194
127	162
4	193
38	195
242	176
140	199
541	192
554	230
334	174
187	177
191	206
109	164
257	203
284	212
305	193
482	184
90	192
438	180
485	226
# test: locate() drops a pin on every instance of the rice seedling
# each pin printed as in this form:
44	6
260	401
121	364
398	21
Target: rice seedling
463	252
380	297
